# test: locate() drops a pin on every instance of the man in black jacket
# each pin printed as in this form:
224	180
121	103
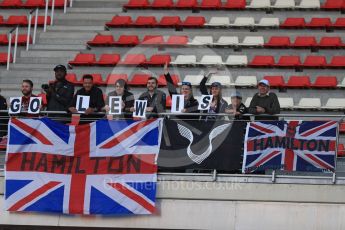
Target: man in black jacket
237	108
264	102
96	103
60	93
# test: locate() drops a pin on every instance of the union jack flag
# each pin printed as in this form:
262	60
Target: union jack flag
290	146
105	167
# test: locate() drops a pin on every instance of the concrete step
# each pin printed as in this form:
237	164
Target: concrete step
110	10
49	41
47	54
85	16
33	66
38	60
81	23
58	47
75	28
98	3
72	35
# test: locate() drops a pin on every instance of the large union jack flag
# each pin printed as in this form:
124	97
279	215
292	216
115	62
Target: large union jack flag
105	167
290	146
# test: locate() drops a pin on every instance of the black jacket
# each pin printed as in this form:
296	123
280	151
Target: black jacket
3	103
127	98
59	96
157	101
269	102
191	104
242	109
96	98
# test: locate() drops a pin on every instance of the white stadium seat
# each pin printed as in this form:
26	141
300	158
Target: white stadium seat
259	4
309	4
225	80
184	60
201	40
236	60
218	21
335	103
342	84
269	22
309	103
247	102
227	41
244	21
286	102
253	41
246	81
211	60
284	4
193	79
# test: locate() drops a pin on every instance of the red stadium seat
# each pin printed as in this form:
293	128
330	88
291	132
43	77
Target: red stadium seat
40	20
337	62
331	42
120	21
127	40
83	59
159	60
162	82
162	4
186	4
58	3
134	59
341	150
319	23
152	40
275	81
137	4
3	39
34	4
3	58
278	41
145	21
11	4
97	79
102	40
262	61
194	21
170	21
21	39
342	128
339	23
210	4
112	78
168	102
72	78
299	82
293	23
108	60
326	82
177	40
332	4
2	21
315	61
289	61
13	20
139	80
235	4
305	41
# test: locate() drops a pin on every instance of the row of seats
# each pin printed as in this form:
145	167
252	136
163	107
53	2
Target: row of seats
3	58
251	41
234	4
308	103
22	20
22	38
200	21
310	61
31	3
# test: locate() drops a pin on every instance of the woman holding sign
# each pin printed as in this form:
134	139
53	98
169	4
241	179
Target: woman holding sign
218	104
190	103
121	89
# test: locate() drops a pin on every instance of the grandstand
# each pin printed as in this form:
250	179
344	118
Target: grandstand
297	45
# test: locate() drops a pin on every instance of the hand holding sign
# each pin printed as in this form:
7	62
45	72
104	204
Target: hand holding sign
140	108
177	103
205	102
82	103
115	105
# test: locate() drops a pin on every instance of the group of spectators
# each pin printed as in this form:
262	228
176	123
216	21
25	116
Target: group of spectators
61	97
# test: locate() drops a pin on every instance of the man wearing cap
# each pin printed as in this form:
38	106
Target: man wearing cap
237	108
264	102
218	104
60	93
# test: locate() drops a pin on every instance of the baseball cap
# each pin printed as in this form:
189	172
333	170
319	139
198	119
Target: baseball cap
60	67
186	83
264	81
236	94
216	84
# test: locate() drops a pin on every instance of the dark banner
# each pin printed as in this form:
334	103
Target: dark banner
202	145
